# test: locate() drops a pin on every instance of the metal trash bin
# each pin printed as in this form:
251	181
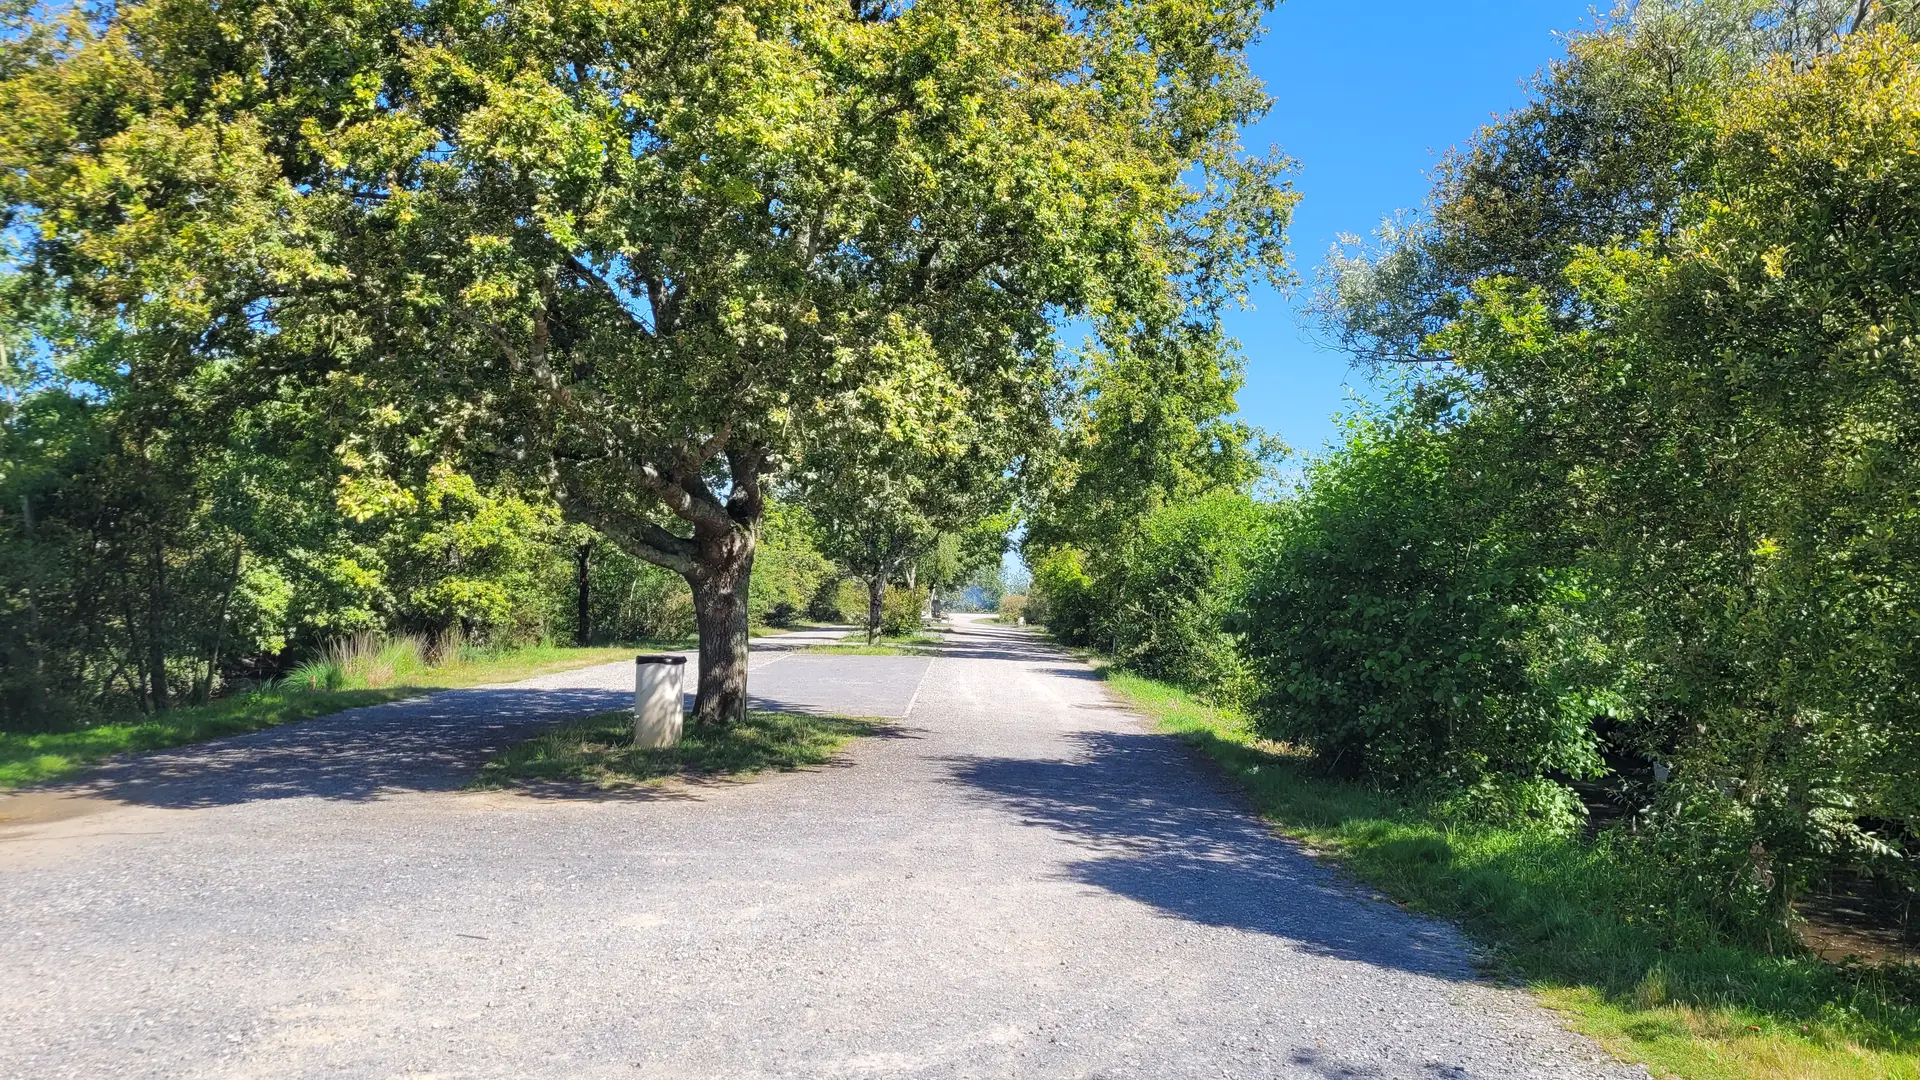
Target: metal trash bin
658	714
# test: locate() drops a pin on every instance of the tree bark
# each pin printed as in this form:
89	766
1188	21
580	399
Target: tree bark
876	594
204	692
716	561
583	610
37	642
720	611
156	630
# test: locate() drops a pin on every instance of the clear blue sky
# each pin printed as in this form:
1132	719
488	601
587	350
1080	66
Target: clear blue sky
1368	95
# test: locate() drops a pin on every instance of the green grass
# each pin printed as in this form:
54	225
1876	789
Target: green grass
36	758
599	752
352	678
1551	909
910	645
882	649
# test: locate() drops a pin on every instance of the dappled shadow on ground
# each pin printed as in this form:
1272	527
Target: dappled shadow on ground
1073	673
1154	831
985	641
423	744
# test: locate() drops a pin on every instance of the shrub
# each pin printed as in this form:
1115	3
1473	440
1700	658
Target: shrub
636	601
1062	596
315	675
901	610
1013	606
1392	615
850	602
372	660
824	604
1168	604
788	570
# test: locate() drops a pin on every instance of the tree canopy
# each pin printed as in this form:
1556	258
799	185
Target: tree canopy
641	255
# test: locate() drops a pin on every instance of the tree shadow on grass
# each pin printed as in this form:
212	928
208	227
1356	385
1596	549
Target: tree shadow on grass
687	787
1155	831
428	743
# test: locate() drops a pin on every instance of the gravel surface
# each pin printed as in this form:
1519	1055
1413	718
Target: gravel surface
1017	880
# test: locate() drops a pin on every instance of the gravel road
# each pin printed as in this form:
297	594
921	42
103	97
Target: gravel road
1018	880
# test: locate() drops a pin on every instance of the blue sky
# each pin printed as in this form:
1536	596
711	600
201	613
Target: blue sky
1368	95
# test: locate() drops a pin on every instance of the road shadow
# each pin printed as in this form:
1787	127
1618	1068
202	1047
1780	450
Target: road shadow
982	641
1155	831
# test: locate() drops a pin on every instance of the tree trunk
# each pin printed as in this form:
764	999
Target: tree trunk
720	611
876	592
156	630
204	692
583	612
34	639
716	561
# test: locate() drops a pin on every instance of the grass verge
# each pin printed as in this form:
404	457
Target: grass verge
913	645
599	751
34	758
1551	909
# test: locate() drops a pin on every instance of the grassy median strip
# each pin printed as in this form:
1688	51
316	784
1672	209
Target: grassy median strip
28	758
916	645
1550	908
599	752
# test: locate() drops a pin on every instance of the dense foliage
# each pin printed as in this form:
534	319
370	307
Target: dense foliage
1635	528
1139	517
639	261
1396	621
149	568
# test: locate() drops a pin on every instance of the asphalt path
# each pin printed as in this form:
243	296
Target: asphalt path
1017	879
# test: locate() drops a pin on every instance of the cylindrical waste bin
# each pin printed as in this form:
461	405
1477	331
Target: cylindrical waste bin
657	698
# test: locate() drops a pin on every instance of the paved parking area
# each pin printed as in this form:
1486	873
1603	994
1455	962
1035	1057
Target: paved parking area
1017	880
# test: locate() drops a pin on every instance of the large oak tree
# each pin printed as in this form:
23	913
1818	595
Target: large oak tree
645	252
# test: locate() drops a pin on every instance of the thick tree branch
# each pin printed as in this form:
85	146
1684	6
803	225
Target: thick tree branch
689	501
714	444
685	494
649	542
747	502
660	303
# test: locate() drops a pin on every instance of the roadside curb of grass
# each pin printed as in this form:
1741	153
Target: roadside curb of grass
921	644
